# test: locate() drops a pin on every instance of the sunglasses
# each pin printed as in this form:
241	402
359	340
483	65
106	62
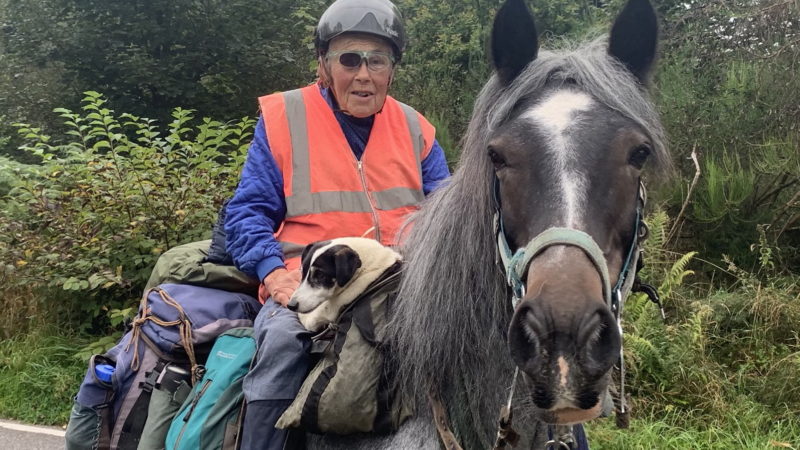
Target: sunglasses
352	59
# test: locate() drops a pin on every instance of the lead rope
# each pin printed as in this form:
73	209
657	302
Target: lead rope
506	435
623	287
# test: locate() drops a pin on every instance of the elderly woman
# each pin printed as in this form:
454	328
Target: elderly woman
334	159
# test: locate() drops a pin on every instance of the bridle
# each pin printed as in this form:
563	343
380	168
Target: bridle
514	266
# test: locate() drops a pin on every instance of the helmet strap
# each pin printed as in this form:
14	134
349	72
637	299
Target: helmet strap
323	73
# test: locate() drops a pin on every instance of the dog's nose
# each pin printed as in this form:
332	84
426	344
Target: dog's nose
293	305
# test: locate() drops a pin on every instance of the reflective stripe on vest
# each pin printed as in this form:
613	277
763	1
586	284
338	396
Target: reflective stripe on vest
328	192
303	201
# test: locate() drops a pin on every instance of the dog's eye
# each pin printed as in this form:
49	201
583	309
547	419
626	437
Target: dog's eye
320	277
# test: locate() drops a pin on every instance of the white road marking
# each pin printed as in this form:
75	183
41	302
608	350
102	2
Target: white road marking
31	429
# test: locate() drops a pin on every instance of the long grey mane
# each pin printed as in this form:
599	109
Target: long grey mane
450	323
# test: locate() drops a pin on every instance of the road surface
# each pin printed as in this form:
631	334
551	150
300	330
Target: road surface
18	436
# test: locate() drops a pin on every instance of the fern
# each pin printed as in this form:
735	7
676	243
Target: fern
676	274
643	354
657	223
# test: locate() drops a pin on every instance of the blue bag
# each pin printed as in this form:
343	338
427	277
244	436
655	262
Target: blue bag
176	324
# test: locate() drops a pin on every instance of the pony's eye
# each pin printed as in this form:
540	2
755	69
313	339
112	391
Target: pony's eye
639	156
497	161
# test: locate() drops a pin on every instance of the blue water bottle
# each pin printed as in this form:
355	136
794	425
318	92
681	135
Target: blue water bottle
104	372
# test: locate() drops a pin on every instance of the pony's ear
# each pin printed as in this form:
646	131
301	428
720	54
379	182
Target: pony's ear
514	40
634	38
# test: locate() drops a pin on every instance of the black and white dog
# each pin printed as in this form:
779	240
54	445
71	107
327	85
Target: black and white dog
335	273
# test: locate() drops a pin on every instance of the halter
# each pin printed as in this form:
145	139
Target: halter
515	265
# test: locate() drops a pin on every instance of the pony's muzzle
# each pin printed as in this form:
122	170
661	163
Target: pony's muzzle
594	340
562	335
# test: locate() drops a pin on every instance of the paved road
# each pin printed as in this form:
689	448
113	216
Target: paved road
17	436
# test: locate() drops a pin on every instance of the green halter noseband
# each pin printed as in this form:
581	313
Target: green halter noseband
516	263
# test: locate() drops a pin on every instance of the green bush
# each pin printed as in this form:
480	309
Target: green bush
726	90
86	225
720	350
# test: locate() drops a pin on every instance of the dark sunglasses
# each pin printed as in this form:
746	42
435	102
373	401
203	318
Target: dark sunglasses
352	59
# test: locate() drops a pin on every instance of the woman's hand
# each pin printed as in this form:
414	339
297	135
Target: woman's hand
280	284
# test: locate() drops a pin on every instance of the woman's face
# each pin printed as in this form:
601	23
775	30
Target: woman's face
360	91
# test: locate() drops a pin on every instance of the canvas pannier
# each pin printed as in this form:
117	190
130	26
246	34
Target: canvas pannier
172	333
350	389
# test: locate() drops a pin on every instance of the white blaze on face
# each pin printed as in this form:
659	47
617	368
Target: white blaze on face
563	371
555	116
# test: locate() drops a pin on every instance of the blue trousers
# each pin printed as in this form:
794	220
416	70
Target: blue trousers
282	362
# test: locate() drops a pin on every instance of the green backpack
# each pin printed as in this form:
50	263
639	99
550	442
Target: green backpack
350	390
211	416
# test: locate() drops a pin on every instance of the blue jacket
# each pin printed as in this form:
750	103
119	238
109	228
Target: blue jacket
258	207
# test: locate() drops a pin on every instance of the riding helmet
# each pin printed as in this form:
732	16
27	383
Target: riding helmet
377	17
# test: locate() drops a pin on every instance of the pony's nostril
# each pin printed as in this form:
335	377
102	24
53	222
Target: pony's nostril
532	327
601	339
523	337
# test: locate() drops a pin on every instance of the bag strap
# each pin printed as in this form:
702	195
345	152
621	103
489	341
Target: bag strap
182	322
134	424
308	417
106	411
243	410
389	281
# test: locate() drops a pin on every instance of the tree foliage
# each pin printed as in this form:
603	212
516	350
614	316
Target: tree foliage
148	56
727	89
110	197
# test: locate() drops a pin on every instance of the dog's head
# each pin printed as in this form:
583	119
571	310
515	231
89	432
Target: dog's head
331	267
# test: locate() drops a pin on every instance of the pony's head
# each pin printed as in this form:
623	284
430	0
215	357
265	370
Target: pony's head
556	140
568	137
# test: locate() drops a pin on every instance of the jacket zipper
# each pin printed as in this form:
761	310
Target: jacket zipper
191	410
369	199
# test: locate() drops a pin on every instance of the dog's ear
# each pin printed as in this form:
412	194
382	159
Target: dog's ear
347	262
308	252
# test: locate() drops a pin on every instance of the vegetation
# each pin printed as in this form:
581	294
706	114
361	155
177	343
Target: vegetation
39	376
721	369
106	201
90	197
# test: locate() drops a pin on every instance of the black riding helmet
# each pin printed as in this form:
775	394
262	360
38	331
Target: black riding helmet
377	17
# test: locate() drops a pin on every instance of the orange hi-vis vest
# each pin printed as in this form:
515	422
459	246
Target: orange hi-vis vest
329	193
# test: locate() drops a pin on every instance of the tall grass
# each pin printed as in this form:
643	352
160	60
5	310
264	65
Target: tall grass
743	429
39	375
722	371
